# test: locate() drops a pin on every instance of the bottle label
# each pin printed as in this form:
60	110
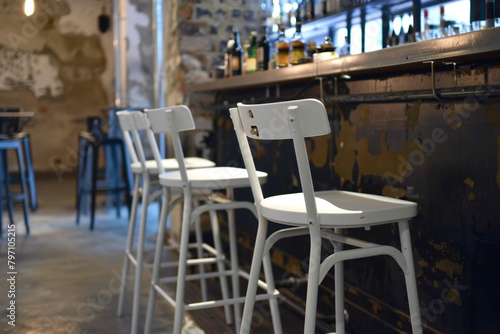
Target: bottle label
251	65
235	63
260	54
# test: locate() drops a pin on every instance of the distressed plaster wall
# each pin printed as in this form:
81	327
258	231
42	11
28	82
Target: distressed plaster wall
57	64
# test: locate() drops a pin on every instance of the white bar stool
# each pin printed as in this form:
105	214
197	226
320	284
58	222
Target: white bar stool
320	214
147	172
209	181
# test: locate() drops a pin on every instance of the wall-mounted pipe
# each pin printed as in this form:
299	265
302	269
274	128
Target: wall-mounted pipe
120	46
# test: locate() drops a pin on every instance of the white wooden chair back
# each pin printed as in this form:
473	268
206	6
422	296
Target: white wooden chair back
127	126
171	121
294	120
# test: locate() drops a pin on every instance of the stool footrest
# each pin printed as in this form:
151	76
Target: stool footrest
213	303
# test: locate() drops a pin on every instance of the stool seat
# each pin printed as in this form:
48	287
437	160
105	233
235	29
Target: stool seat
170	164
338	209
212	178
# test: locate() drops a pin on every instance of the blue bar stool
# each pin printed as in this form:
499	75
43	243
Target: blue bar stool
11	138
89	181
9	196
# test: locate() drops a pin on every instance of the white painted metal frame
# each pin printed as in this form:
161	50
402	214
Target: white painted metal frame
147	171
171	121
319	214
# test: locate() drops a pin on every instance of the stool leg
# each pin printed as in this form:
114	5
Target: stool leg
140	253
93	191
339	289
214	223
2	183
199	248
260	241
8	193
129	245
80	181
128	197
115	175
233	253
410	279
273	302
157	260
23	188
181	273
30	172
313	279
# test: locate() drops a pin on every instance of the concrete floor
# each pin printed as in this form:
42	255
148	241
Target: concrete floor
68	276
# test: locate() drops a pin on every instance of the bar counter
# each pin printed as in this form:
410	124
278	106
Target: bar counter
419	121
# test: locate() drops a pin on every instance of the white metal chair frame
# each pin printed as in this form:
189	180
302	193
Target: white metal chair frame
171	121
319	214
147	170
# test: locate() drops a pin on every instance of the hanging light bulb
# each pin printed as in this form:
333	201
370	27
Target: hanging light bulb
29	7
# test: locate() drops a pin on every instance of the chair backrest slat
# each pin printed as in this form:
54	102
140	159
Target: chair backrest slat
171	119
294	120
270	121
127	126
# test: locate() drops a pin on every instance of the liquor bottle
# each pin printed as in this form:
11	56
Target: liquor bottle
426	34
298	45
490	13
263	51
410	35
282	49
442	22
251	64
345	50
298	11
227	57
236	58
312	10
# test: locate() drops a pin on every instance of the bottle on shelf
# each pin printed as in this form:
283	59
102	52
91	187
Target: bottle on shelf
282	49
236	57
308	10
490	13
326	51
402	34
263	50
427	33
410	35
245	45
298	50
227	57
394	39
345	50
298	11
311	48
442	22
251	63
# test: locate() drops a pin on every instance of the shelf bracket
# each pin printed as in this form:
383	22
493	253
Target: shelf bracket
454	70
433	78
